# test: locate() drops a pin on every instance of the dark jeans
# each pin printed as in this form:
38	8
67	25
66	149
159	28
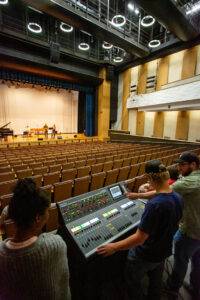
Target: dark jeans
185	248
135	271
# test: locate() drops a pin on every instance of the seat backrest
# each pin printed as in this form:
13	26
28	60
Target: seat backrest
141	170
35	165
40	171
69	174
107	166
126	161
108	158
111	177
80	163
83	171
7	176
129	184
5	169
63	190
48	189
49	163
90	161
123	173
97	168
51	178
7	187
117	163
134	160
97	181
52	222
139	180
134	170
54	168
20	168
5	200
141	158
38	180
24	173
81	185
100	160
68	165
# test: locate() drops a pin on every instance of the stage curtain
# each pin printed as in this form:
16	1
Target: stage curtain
27	107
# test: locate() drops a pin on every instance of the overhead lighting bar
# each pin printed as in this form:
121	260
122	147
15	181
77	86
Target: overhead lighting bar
118	59
154	43
34	27
65	27
194	9
147	21
3	2
84	46
131	6
107	46
116	23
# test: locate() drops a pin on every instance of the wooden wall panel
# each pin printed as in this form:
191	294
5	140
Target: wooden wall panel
162	73
140	123
188	70
126	94
142	79
159	124
103	106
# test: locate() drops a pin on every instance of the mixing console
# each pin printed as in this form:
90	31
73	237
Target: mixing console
99	217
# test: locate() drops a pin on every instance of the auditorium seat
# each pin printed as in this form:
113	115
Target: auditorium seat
100	160
80	163
49	163
134	160
134	170
51	178
20	168
5	200
68	165
7	187
123	173
52	222
139	180
117	163
91	161
40	171
107	166
148	157
54	168
24	173
83	171
126	161
4	166
129	184
108	158
48	189
69	174
97	168
7	176
61	161
35	165
63	190
38	180
111	177
81	185
97	181
141	159
5	169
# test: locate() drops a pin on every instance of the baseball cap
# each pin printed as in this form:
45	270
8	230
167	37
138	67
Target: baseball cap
154	166
187	157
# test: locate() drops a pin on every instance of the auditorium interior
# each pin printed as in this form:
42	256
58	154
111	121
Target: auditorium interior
90	92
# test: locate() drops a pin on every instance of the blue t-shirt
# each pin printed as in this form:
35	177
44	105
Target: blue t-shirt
160	220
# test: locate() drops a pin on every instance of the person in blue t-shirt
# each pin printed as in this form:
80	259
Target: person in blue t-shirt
152	242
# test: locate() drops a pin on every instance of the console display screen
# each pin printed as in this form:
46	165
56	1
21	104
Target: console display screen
116	191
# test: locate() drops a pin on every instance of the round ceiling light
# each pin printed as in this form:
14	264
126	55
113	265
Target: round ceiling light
131	6
118	21
118	59
147	21
154	43
65	27
34	27
137	11
84	46
3	2
107	46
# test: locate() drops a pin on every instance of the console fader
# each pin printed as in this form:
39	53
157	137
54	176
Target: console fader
99	217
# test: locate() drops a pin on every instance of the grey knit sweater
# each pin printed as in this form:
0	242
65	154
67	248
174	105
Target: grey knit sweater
39	271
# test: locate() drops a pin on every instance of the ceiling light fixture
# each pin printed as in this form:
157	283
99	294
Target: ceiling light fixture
154	43
194	9
84	46
131	6
107	46
118	59
65	27
137	11
34	27
118	21
3	2
147	21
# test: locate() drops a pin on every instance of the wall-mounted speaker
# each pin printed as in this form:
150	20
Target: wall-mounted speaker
54	53
40	139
